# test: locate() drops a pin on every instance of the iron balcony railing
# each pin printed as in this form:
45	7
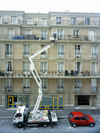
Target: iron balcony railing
72	22
94	88
26	88
49	73
47	37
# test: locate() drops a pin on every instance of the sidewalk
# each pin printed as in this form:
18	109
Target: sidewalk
62	114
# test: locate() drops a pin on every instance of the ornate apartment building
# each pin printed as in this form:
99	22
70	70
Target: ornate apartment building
69	70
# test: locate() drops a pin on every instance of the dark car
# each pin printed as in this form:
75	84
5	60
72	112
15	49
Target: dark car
78	118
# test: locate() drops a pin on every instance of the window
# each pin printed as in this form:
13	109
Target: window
43	67
60	50
87	21
18	115
60	34
60	84
13	20
78	66
26	68
26	85
99	21
77	51
77	84
94	51
76	118
43	35
60	66
94	85
10	33
44	84
8	85
0	20
44	53
26	49
43	21
8	49
76	32
29	20
58	20
73	20
8	66
28	32
94	67
82	118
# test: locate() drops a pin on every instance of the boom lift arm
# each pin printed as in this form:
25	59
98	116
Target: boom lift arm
36	76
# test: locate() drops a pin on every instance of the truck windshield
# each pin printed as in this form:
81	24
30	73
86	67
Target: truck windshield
18	115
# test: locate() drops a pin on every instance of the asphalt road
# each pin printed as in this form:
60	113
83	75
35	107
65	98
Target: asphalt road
62	126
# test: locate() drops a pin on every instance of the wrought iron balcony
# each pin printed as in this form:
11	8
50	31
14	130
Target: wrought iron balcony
50	73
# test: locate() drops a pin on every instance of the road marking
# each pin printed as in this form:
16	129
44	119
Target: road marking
1	123
33	128
69	127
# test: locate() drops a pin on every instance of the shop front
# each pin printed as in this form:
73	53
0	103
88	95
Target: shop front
13	101
52	102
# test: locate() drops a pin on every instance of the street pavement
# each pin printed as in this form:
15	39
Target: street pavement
61	114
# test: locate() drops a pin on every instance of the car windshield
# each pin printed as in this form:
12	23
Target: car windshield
71	115
86	116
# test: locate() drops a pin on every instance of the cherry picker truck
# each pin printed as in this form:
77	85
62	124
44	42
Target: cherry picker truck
35	116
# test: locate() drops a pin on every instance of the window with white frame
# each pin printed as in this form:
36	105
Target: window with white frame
0	19
60	33
44	34
94	85
28	32
73	20
94	68
43	68
78	66
43	54
43	21
8	50
13	19
87	21
60	84
26	49
95	51
10	33
61	68
29	20
60	50
26	69
26	85
8	85
76	32
8	66
77	84
44	84
58	20
77	51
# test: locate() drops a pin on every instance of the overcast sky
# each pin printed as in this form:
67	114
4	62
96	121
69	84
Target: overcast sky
45	6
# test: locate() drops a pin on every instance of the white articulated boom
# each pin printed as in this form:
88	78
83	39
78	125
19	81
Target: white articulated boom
36	76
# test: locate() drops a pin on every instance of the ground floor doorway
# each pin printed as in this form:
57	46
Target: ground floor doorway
83	100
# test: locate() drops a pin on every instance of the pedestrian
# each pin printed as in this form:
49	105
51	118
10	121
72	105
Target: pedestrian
25	121
49	115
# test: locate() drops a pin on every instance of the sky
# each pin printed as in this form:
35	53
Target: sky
46	6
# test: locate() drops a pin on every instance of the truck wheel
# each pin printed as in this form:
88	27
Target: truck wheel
20	125
45	124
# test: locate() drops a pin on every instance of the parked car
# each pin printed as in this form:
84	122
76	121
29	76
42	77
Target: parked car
78	118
